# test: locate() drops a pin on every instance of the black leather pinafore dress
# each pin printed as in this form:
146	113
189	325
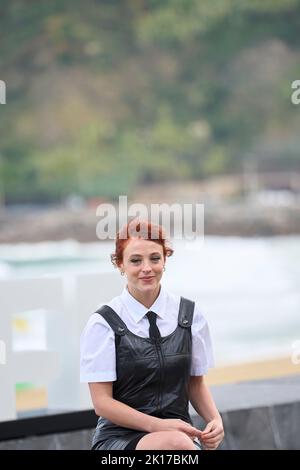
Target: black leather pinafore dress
152	375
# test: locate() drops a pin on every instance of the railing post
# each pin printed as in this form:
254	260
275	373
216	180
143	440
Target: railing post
16	296
82	295
7	385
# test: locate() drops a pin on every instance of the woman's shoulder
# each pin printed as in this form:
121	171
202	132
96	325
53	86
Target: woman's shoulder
198	316
97	321
175	299
115	304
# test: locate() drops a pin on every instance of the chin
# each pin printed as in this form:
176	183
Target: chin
149	287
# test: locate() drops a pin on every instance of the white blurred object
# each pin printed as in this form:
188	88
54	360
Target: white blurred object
5	271
74	202
52	312
274	198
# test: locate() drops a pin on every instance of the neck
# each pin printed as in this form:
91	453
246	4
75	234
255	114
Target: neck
145	298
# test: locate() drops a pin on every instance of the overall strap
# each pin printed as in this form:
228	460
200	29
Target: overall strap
186	312
113	320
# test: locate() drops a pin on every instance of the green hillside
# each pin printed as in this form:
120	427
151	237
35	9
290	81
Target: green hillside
106	95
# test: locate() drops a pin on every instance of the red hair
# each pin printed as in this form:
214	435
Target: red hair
139	229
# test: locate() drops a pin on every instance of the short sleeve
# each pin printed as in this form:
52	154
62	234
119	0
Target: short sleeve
97	351
202	350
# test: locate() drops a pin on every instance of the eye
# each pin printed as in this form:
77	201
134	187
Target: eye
155	259
135	260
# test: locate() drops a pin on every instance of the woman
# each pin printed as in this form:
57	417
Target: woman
144	355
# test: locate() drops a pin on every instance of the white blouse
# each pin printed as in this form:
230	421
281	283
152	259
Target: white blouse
97	342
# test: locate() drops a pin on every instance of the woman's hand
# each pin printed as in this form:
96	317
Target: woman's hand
212	435
176	425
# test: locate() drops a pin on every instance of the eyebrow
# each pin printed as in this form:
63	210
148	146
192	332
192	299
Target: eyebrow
154	253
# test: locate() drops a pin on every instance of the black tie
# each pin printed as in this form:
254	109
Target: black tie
153	329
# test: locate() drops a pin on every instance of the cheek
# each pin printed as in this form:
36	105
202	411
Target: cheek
134	270
159	268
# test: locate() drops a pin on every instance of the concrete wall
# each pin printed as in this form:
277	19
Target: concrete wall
257	415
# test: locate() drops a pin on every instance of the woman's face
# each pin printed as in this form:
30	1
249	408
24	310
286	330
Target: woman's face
143	263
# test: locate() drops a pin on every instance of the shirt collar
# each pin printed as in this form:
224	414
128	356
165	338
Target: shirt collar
138	310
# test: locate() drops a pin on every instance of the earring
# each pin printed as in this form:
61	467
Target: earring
122	273
164	268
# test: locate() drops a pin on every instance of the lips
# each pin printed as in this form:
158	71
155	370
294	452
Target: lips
146	278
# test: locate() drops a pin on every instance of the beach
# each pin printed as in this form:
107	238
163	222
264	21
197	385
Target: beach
249	371
34	399
56	223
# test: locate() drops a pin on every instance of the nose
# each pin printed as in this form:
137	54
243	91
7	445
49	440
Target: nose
146	268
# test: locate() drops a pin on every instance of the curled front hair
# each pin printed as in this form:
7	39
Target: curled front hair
139	229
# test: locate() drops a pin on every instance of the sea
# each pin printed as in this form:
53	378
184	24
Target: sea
248	289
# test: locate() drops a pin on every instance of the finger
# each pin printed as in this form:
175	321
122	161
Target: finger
212	434
214	442
191	429
208	431
209	434
208	428
193	434
210	445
